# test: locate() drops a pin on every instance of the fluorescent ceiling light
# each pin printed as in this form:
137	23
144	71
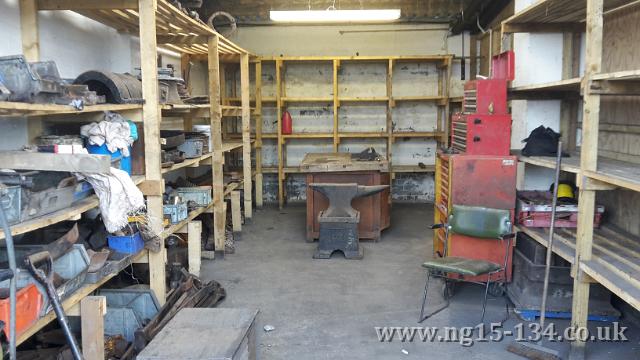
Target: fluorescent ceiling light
335	16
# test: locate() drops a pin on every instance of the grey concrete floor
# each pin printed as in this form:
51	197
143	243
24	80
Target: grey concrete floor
328	309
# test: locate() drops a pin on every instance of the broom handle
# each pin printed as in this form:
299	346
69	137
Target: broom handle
547	268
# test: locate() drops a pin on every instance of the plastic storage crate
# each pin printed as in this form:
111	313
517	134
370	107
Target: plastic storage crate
128	244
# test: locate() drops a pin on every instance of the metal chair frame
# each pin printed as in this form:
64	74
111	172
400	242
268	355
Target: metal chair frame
505	238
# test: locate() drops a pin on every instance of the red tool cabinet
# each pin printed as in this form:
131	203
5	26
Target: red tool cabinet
474	180
481	134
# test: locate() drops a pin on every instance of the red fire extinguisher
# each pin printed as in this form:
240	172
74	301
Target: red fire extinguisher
287	123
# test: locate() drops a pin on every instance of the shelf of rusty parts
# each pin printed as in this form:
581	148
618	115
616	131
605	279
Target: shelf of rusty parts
10	109
71	213
68	303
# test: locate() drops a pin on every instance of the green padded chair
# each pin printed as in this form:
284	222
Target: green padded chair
479	222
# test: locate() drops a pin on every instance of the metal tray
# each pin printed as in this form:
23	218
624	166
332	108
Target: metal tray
117	262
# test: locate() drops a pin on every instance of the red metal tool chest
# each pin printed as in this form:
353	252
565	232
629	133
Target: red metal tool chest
485	97
474	180
481	134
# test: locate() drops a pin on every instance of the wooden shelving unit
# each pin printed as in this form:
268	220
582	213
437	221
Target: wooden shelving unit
335	100
608	255
156	22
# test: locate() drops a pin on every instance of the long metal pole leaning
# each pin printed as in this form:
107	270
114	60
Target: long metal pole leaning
547	268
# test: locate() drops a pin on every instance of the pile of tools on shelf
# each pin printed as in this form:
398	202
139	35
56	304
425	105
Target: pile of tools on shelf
40	83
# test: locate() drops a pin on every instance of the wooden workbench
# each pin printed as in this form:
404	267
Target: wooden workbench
375	210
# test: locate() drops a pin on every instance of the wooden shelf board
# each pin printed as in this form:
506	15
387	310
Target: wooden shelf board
418	98
309	136
55	217
356	58
545	12
417	134
186	163
192	215
569	164
457	99
354	135
176	30
561	248
413	169
615	261
616	172
553	89
364	99
69	303
631	75
269	136
307	99
8	108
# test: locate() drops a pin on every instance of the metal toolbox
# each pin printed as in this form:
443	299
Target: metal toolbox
534	210
473	180
192	148
71	267
476	134
201	195
175	212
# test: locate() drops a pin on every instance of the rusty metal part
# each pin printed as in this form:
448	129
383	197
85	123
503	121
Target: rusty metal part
40	82
117	88
232	22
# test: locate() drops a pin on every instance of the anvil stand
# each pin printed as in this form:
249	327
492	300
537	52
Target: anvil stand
339	222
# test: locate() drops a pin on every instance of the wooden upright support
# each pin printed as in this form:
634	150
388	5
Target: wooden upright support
194	246
152	115
92	312
236	212
29	29
219	219
281	165
258	185
246	135
588	162
390	105
336	104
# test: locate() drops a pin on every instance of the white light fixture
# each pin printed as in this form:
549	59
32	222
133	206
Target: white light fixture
335	16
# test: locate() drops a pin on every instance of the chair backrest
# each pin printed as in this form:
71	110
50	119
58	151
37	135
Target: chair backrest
480	222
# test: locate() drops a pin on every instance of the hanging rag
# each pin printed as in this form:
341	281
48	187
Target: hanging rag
114	131
119	197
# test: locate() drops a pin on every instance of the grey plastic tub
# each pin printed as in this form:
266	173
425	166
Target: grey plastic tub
72	267
128	310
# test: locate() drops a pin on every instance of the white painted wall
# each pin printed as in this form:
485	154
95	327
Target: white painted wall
534	68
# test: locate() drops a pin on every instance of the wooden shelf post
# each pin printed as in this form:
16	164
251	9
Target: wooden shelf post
215	118
246	135
29	29
194	246
92	312
152	115
258	116
588	161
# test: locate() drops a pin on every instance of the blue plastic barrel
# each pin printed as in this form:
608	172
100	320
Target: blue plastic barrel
125	162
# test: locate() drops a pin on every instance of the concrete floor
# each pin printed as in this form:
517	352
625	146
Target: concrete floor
327	309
